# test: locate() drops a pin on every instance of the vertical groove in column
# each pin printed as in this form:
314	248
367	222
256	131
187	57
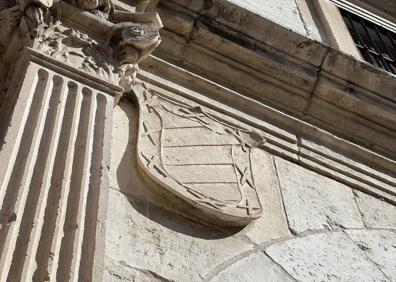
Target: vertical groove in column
102	211
36	187
78	189
50	247
29	87
59	155
18	185
53	194
50	146
81	219
98	170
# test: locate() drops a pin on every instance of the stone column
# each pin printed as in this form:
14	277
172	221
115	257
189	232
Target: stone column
55	135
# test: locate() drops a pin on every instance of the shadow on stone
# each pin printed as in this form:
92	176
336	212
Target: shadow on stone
146	199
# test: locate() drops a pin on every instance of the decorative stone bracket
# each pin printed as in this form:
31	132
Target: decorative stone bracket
93	36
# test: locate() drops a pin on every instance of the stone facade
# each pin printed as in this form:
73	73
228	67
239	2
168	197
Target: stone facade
211	141
312	228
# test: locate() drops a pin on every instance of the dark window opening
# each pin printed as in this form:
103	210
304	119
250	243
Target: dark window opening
376	44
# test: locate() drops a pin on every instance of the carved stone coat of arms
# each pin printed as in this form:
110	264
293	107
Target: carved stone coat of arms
200	158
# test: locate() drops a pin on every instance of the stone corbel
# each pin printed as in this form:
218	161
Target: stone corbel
132	43
120	39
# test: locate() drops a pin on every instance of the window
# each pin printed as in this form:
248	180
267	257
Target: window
376	43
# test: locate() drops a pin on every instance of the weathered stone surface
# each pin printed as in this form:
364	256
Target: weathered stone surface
121	152
145	237
283	12
345	69
199	156
256	267
314	202
379	246
272	224
123	169
342	167
375	212
53	176
54	156
120	271
325	257
309	17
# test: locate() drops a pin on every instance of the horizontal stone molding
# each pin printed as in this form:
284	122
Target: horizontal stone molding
282	69
286	136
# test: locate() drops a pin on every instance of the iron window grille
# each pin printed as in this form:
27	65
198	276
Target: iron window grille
376	44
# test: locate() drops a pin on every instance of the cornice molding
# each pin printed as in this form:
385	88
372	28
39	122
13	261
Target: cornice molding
282	69
317	106
286	136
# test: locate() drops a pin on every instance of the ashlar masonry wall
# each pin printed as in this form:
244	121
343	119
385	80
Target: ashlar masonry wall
313	228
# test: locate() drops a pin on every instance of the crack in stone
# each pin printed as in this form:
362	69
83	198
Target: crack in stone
280	266
302	19
292	231
149	273
228	263
355	195
312	92
364	249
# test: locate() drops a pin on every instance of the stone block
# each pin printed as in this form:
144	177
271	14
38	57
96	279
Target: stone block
120	271
380	247
141	237
256	267
325	257
375	212
283	12
314	202
272	224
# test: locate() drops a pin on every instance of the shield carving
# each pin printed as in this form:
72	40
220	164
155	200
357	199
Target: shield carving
201	159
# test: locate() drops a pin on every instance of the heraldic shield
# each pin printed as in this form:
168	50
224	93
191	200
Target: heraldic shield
201	159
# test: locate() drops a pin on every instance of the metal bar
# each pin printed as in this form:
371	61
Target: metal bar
377	31
380	56
372	44
362	42
391	39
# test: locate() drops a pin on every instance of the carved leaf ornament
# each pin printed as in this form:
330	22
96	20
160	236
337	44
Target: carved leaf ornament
125	39
200	158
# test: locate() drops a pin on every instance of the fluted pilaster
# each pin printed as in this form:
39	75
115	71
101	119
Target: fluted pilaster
69	63
54	184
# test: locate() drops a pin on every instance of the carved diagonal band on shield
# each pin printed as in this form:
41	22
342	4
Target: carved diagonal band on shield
201	159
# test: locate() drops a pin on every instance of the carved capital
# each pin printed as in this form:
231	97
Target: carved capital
89	35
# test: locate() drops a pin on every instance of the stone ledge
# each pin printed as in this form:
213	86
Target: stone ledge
285	70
